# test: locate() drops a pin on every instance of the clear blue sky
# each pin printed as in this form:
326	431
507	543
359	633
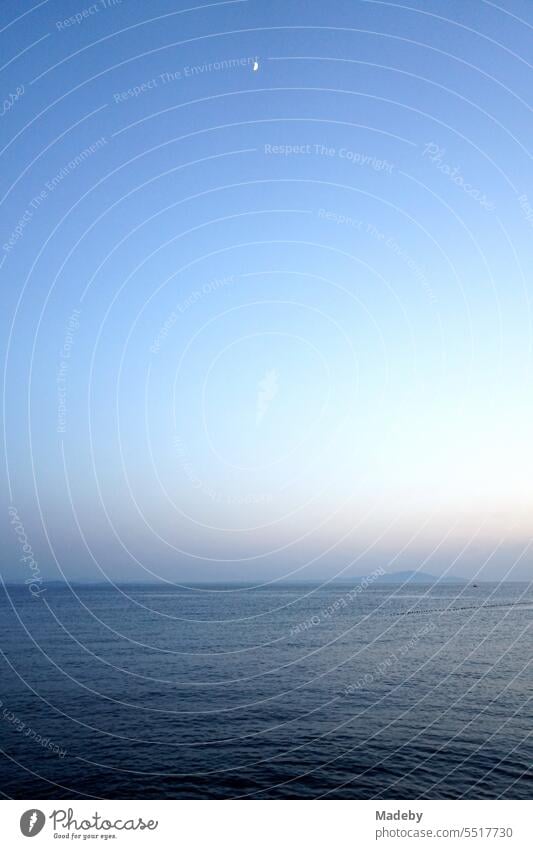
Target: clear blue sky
266	322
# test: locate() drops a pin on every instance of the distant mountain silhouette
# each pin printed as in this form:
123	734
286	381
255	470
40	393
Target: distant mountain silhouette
418	578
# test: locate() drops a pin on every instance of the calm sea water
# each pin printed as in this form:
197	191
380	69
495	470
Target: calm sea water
295	692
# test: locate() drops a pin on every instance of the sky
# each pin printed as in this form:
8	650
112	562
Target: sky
265	301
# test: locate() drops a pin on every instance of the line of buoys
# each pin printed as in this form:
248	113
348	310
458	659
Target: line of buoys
463	607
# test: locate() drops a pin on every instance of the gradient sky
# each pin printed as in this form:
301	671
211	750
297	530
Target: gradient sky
273	322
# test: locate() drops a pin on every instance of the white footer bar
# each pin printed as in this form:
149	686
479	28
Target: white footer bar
255	824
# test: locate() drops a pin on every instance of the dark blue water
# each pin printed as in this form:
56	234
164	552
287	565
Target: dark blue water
295	692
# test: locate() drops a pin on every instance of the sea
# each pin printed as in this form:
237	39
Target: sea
345	690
